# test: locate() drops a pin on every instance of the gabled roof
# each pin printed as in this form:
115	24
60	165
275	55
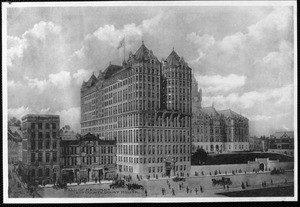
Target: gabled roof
110	70
209	111
279	135
89	137
141	53
230	113
91	81
173	58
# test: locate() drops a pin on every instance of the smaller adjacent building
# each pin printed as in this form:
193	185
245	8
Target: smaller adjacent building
40	148
257	144
219	131
86	157
282	142
14	144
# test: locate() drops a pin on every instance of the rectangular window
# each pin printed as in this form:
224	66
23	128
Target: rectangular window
54	157
32	157
32	125
40	126
47	144
47	135
54	135
54	145
47	126
40	157
53	125
40	144
33	145
32	135
47	156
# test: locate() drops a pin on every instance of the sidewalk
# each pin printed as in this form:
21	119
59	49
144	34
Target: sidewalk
81	184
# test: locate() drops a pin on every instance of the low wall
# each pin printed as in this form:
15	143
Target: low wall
268	164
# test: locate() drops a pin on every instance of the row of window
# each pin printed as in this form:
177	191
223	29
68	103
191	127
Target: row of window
152	149
44	157
40	172
42	135
152	135
144	160
41	144
43	125
130	106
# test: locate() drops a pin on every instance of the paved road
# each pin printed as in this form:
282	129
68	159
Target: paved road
154	187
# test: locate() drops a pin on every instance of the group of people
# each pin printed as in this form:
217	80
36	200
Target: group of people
244	186
181	187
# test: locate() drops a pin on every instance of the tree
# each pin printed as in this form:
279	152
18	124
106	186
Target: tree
199	157
14	122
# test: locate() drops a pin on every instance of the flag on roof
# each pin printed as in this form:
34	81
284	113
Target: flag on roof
122	43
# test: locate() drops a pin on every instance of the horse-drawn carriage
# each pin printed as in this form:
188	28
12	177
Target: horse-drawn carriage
222	182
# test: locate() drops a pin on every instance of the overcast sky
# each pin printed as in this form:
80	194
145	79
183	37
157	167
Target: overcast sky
242	57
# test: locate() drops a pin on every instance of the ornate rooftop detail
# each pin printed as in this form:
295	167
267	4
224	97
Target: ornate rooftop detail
173	58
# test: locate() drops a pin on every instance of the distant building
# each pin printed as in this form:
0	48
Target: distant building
14	144
282	142
87	158
41	147
219	131
257	144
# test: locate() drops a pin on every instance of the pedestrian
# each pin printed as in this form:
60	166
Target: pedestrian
247	185
173	192
96	180
227	187
285	181
162	191
271	182
196	190
187	189
201	189
145	192
179	186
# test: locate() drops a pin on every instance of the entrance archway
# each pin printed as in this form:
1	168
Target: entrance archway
211	148
262	167
168	168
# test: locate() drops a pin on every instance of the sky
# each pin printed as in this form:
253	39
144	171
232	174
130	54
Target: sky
241	56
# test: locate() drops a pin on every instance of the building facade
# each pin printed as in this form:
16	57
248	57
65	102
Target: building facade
14	144
40	147
145	105
86	158
219	131
282	142
257	144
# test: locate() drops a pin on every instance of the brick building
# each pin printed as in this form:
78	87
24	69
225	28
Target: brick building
40	147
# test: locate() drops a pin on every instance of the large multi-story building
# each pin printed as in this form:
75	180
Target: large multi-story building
40	147
145	105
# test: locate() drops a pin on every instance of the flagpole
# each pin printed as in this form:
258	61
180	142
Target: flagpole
124	47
